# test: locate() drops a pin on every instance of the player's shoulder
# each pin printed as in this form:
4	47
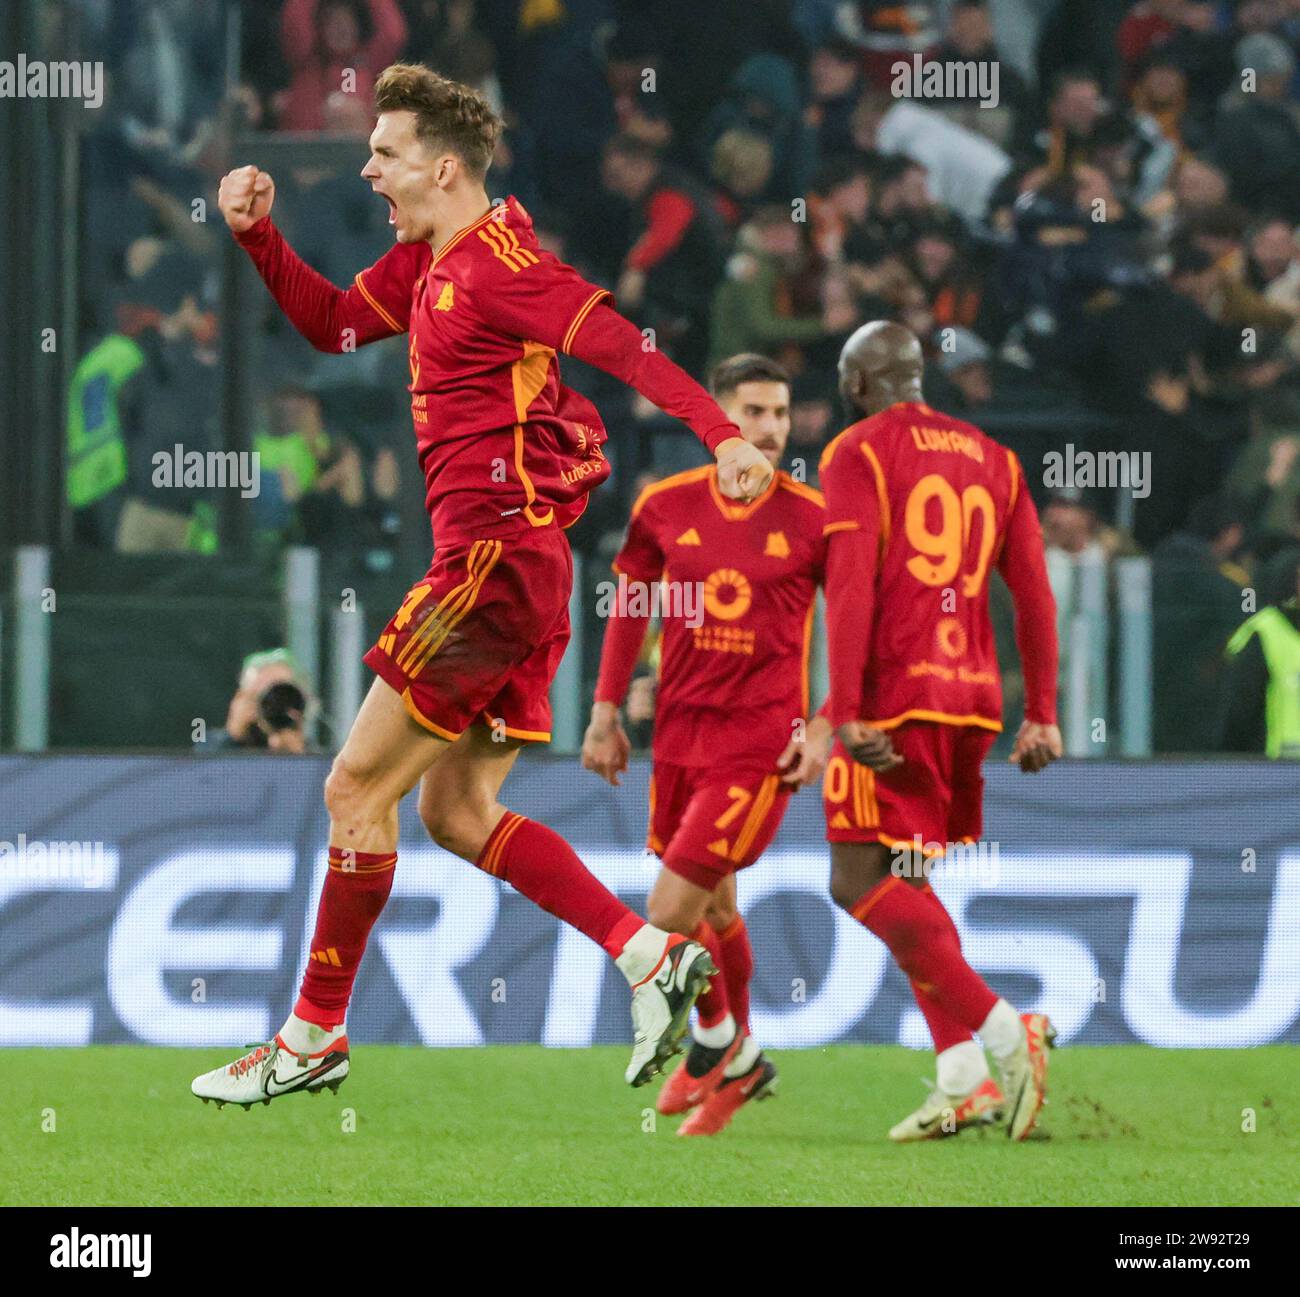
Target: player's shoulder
668	488
808	497
864	431
400	266
501	242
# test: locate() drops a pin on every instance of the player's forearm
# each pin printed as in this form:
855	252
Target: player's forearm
1023	564
1039	657
850	609
614	344
624	637
1025	571
319	310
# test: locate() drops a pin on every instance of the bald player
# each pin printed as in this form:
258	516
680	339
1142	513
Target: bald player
920	508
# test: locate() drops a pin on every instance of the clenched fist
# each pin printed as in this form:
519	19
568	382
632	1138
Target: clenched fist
1037	746
869	746
605	746
743	470
245	196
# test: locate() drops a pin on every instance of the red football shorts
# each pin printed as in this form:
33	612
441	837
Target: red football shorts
705	824
480	638
938	791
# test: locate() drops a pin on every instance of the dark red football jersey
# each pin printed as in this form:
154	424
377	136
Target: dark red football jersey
732	685
504	445
939	504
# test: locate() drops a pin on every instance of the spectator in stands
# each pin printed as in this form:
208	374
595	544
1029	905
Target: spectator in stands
1221	233
1261	689
964	365
1071	525
812	420
325	51
167	86
835	85
1149	24
1161	100
901	204
764	96
963	168
969	39
949	276
1065	139
1265	478
1197	583
462	52
1186	33
753	307
838	210
1257	140
318	487
142	390
1273	264
667	274
741	167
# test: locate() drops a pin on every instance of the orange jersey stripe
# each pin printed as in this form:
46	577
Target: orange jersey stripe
375	306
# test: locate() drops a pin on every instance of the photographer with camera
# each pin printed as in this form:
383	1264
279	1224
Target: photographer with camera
268	711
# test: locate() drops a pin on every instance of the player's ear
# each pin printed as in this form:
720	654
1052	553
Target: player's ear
449	167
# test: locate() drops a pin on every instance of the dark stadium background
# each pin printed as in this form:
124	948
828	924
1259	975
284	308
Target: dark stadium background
1115	335
1085	262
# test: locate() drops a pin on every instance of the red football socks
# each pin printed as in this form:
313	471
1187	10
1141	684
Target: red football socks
537	862
712	1004
945	1030
737	964
923	939
356	890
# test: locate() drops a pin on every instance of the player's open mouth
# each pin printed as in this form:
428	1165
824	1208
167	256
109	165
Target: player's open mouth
392	208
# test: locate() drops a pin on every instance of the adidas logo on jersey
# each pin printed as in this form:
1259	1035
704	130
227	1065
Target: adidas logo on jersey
689	537
446	299
777	545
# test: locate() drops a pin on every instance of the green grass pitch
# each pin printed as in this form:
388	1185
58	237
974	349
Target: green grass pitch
527	1125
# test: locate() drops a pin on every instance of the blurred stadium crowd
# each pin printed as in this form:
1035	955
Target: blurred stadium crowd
1106	257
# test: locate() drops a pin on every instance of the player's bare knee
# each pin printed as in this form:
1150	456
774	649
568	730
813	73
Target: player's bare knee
446	825
671	912
856	867
846	888
459	820
349	794
666	915
720	915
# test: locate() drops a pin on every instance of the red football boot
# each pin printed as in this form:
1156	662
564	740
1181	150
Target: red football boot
716	1112
697	1077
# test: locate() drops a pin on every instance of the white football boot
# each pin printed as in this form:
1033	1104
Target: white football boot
269	1071
947	1114
662	1003
1024	1075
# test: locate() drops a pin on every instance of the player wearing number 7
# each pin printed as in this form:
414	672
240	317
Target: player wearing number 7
920	508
